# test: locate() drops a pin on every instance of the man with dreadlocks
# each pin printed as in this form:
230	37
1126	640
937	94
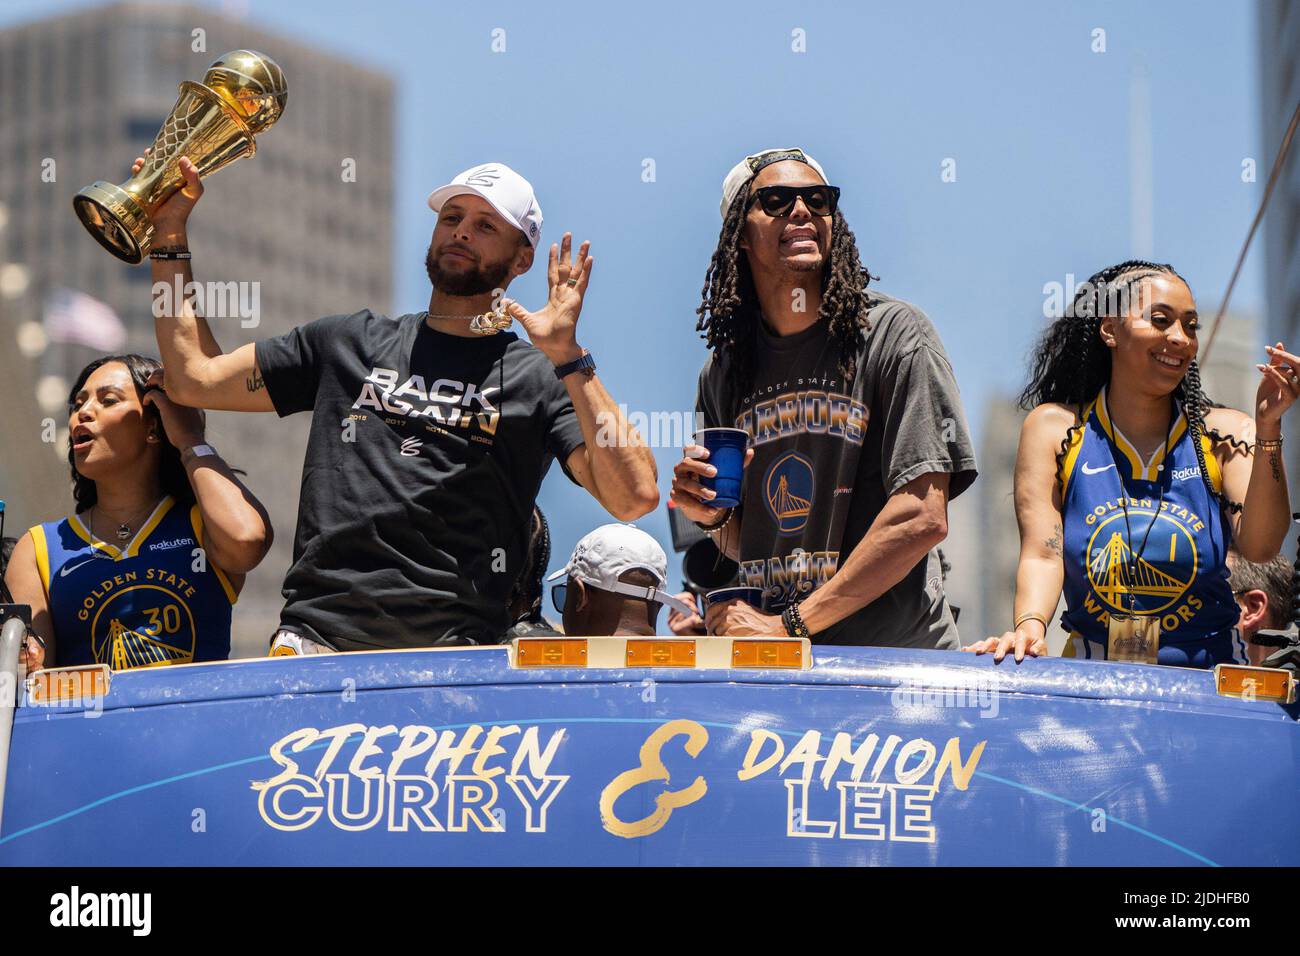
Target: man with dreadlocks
1130	485
857	434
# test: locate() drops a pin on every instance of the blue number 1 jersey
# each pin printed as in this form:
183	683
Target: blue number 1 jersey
1181	543
141	605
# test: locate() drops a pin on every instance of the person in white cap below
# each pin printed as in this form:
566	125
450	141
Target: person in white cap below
857	433
430	433
614	584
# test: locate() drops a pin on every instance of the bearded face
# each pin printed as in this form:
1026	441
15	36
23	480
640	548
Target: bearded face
474	251
455	272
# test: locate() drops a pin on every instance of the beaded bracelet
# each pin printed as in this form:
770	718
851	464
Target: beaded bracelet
711	528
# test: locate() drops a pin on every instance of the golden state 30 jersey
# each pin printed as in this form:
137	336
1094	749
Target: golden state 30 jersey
1181	573
141	605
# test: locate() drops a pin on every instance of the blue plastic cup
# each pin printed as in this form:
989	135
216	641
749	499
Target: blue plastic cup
726	448
751	596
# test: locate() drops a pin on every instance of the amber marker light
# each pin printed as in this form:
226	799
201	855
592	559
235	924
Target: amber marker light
551	652
63	685
657	653
770	653
1255	683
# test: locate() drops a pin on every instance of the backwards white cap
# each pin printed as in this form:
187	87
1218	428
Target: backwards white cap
748	168
505	190
602	555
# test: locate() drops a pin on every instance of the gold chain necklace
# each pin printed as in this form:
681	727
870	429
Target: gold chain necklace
124	530
486	323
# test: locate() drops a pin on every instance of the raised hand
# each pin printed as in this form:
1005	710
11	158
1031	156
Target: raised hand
170	219
184	426
553	327
1280	385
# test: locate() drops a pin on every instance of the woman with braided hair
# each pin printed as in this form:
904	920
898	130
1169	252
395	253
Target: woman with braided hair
1131	485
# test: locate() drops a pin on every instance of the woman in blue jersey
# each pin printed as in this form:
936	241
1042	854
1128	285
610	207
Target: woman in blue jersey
146	569
1131	485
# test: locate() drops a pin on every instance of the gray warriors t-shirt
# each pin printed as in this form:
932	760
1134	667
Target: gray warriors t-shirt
826	459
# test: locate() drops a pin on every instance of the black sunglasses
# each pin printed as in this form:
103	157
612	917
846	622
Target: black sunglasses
558	594
779	200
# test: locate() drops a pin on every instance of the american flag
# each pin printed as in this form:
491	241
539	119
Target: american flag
72	316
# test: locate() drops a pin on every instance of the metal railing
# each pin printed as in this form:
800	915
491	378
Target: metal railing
11	639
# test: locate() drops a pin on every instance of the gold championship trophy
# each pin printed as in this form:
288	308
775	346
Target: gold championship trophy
213	123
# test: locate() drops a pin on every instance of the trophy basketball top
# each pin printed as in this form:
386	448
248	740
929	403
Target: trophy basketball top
214	122
252	83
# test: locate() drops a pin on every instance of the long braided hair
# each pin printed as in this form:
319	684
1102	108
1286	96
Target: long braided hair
729	310
1071	364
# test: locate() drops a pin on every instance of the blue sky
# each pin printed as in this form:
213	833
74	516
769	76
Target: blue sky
1037	123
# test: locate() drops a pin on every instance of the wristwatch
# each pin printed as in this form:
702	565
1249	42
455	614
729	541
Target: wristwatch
585	363
793	621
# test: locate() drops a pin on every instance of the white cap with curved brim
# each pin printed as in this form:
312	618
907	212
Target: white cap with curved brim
748	168
505	191
602	555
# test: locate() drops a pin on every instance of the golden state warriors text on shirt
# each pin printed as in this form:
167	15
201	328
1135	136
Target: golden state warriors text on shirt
829	450
810	411
156	600
1166	559
800	418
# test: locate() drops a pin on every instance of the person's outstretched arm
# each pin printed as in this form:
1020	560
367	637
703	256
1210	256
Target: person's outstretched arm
613	462
1040	574
199	374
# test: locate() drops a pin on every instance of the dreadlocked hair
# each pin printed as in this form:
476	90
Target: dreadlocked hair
729	310
1071	364
526	595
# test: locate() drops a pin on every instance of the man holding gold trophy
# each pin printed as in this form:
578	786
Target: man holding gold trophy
431	433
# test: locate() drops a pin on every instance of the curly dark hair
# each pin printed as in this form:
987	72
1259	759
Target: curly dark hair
171	472
729	310
1071	364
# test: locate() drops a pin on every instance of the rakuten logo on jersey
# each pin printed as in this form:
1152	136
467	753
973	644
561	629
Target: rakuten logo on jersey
450	403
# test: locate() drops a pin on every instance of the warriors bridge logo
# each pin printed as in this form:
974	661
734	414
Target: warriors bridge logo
141	618
1149	572
788	490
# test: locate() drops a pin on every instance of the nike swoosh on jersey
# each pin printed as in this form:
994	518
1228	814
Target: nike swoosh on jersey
63	571
1096	471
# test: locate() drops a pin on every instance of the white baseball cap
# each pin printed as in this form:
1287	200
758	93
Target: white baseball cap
505	190
748	168
602	555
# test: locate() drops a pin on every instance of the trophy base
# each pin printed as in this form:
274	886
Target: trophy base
116	219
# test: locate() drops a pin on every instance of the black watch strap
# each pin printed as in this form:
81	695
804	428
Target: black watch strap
585	363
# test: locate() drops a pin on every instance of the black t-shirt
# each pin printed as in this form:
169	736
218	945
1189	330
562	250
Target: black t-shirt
827	458
425	456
